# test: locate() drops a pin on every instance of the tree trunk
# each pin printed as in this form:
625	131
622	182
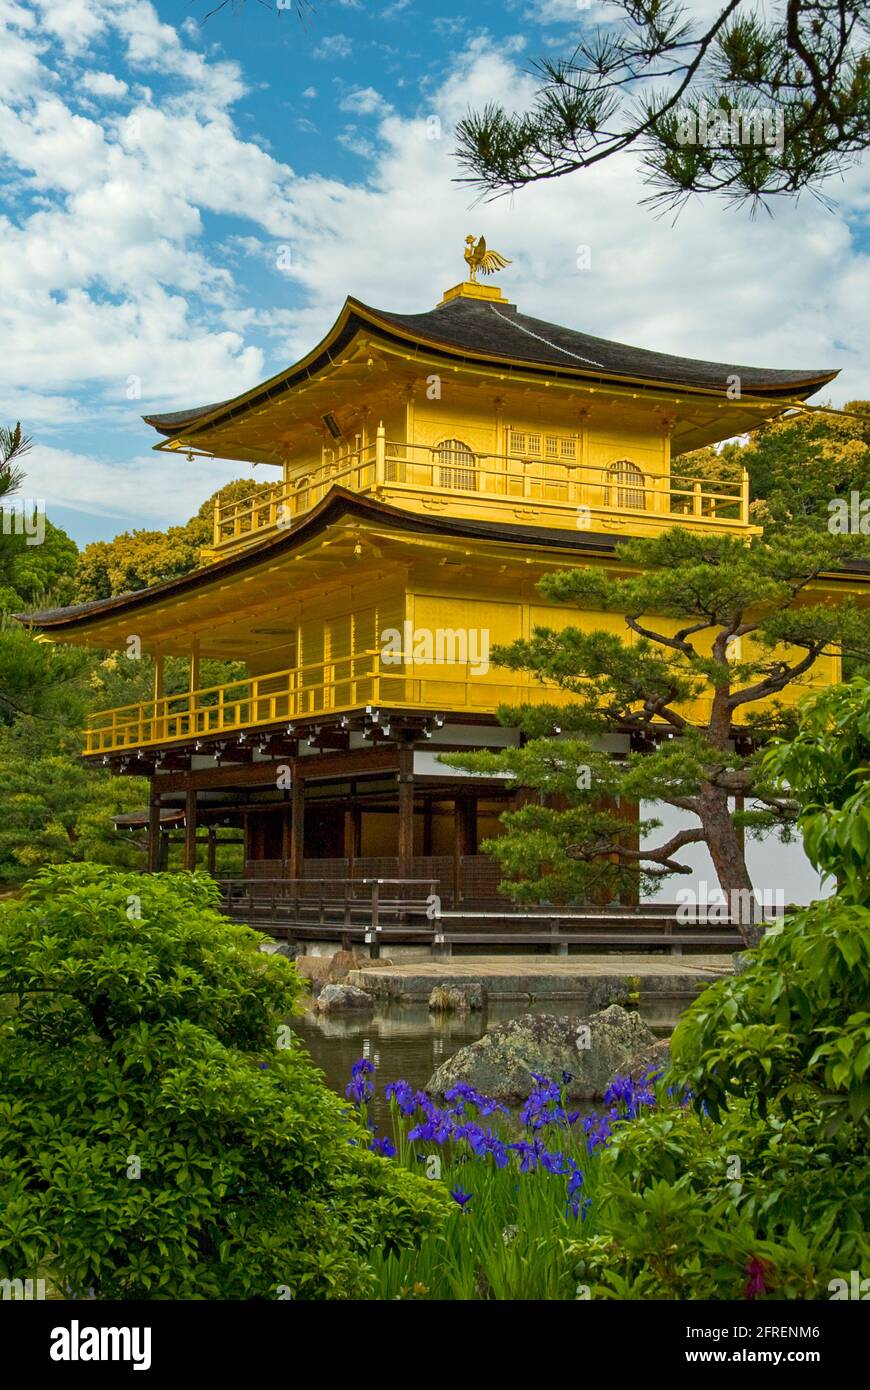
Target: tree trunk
729	861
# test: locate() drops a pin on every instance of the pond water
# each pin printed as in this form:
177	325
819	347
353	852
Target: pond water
406	1041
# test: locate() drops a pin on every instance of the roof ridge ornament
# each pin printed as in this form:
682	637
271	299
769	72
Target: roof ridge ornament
480	261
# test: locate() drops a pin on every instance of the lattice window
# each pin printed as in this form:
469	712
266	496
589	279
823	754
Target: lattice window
457	465
524	444
625	485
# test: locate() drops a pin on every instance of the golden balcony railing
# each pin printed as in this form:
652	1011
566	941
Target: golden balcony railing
560	494
304	692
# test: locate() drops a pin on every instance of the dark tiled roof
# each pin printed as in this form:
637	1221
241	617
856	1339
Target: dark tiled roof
500	333
501	330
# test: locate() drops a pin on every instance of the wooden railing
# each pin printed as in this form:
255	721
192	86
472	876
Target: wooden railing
337	909
374	910
303	692
557	489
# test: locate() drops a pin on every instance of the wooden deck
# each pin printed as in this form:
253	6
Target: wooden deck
378	913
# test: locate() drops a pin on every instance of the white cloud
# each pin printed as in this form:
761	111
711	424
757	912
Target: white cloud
365	101
310	93
109	274
104	84
334	46
356	143
158	489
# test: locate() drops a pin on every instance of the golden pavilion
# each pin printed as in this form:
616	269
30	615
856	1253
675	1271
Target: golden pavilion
428	469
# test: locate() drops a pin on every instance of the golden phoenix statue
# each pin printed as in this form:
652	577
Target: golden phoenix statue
479	259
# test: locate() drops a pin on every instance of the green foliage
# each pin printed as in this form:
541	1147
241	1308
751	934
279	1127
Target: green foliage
767	1181
38	679
797	464
29	573
137	559
793	1030
144	1034
715	629
825	765
13	446
57	810
689	1209
668	83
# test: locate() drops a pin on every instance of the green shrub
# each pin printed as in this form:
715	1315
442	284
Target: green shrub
162	1135
763	1187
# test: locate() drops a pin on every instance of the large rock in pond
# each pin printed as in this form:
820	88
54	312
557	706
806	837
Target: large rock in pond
590	1050
448	999
320	971
655	1057
334	999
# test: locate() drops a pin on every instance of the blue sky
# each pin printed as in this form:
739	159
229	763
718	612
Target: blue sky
185	207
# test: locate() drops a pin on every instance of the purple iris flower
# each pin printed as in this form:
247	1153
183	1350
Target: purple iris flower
383	1146
530	1153
575	1182
630	1096
555	1163
437	1127
360	1089
597	1129
460	1198
403	1095
465	1094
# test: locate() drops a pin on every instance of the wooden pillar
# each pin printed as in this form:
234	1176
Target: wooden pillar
464	838
190	830
457	853
297	823
286	825
211	850
406	812
164	851
352	834
427	826
470	807
630	812
154	833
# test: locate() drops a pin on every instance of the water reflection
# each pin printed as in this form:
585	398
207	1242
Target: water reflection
406	1041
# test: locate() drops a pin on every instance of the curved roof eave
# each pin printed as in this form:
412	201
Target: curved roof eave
416	329
336	504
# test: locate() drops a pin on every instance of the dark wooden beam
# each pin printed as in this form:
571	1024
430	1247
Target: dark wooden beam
235	753
352	832
190	830
406	811
262	774
286	831
297	823
154	833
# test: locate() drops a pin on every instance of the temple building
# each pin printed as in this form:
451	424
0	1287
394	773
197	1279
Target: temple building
429	468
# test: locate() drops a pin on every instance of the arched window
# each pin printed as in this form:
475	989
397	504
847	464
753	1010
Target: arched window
625	485
457	465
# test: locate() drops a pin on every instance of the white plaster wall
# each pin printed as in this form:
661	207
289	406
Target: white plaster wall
773	866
